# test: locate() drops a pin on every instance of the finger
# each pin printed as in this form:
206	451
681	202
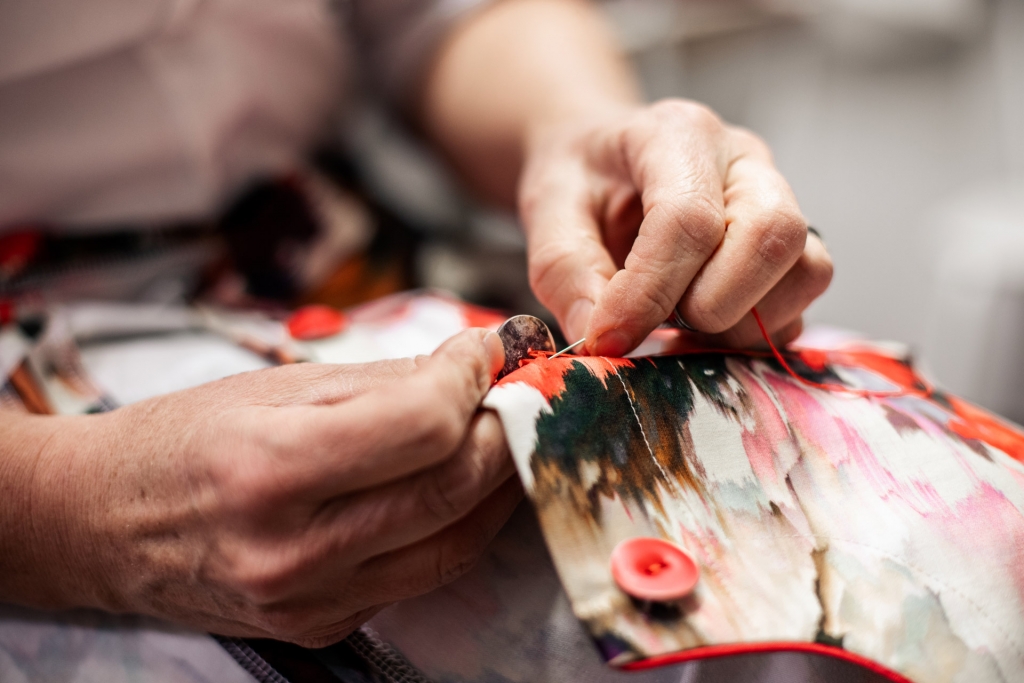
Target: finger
349	530
674	160
440	559
765	236
314	625
407	425
402	512
782	307
788	333
569	264
311	622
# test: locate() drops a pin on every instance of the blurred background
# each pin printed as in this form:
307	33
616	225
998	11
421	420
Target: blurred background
899	123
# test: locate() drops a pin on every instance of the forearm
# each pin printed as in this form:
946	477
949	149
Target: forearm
513	69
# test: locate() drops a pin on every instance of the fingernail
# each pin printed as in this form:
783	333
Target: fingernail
577	318
496	350
613	343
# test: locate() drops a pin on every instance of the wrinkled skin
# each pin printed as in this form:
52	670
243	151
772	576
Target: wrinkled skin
290	503
660	207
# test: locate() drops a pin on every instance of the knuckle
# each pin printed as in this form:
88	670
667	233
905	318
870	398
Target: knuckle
282	624
456	559
705	226
818	273
709	316
697	219
332	620
693	113
246	489
309	628
464	371
780	237
456	568
263	574
334	632
488	445
318	642
318	628
653	294
258	579
745	139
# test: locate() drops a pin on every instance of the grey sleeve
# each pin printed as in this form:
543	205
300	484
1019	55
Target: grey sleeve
396	40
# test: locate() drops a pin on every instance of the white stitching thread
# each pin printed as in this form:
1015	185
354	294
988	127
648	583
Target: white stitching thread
636	416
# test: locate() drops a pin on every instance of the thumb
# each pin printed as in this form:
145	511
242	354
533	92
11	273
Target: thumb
461	370
407	425
568	261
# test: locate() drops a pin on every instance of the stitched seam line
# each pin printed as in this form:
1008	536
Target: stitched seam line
636	416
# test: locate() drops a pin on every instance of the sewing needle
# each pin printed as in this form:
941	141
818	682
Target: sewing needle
568	348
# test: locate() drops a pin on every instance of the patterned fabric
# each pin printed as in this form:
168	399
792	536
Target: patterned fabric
887	528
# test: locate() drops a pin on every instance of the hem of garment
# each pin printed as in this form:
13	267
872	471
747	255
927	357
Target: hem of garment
713	651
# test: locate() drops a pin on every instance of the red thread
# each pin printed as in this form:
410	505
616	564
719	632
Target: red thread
816	358
927	391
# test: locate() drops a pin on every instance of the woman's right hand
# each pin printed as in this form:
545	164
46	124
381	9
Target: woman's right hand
290	503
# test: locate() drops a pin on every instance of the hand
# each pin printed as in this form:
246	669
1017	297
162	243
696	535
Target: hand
660	207
290	503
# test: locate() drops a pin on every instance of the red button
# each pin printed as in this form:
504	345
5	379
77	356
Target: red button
316	322
653	569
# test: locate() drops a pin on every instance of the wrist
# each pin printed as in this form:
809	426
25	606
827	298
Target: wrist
46	556
23	440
